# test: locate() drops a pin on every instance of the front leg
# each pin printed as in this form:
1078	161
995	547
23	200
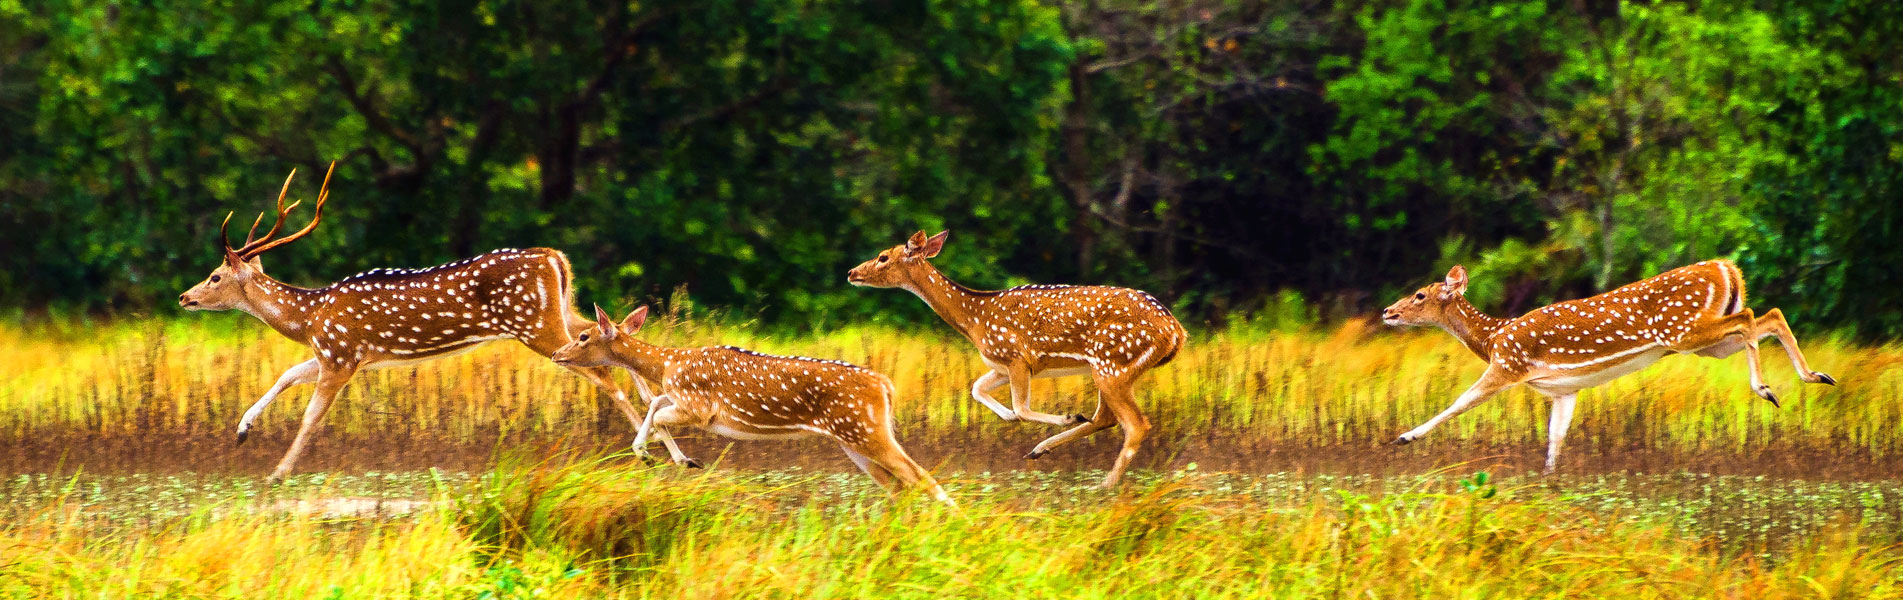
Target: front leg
1021	398
1490	383
661	413
301	373
981	391
330	380
1724	332
599	376
1556	425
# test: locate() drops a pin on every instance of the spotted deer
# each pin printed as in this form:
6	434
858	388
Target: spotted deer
390	317
1563	348
743	394
1112	334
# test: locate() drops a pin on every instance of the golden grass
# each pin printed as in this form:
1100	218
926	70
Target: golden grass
594	531
1349	384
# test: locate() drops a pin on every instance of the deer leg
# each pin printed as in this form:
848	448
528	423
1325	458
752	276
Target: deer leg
304	372
1021	399
329	382
1726	330
981	391
1490	383
1103	419
1773	323
1115	393
599	376
879	473
1556	426
885	453
661	413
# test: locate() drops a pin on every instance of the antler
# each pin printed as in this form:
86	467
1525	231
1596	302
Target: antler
254	247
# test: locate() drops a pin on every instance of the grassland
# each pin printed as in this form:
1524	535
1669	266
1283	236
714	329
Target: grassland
613	530
1308	399
1266	477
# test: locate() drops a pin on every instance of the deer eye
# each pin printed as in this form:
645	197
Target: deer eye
1420	295
214	279
883	258
582	338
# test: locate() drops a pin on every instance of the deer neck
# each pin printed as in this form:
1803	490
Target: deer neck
954	303
285	308
641	358
1473	328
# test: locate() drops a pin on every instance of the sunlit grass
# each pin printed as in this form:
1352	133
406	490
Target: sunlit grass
1349	384
597	529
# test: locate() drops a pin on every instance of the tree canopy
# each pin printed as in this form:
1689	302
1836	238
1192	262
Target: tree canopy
1223	154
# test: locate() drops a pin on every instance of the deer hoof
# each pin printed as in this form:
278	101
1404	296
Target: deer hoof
274	480
1079	419
1402	441
242	434
692	464
1764	391
1036	454
1823	378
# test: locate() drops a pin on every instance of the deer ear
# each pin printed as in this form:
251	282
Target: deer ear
635	319
255	264
915	243
937	242
1456	284
605	324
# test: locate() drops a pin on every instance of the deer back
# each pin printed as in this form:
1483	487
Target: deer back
1640	317
772	393
1098	325
405	314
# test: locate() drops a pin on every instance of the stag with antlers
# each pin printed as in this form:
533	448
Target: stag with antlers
1563	348
390	317
1112	334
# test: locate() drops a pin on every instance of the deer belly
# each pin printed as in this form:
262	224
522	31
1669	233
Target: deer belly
459	347
743	431
1580	377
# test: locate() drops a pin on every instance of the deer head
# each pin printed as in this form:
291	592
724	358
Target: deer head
1429	305
897	266
225	288
595	347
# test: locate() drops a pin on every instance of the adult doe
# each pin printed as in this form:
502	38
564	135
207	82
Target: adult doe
1112	334
1563	348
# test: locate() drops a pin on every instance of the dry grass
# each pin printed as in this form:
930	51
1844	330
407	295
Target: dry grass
594	530
1295	388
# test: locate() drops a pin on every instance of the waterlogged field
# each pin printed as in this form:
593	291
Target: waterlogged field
493	475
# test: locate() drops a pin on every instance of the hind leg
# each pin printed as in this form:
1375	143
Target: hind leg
1773	324
1115	391
880	474
884	452
1099	421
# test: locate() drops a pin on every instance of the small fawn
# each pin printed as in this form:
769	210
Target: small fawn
747	395
1563	348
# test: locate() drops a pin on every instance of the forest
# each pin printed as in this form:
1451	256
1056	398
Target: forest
1233	157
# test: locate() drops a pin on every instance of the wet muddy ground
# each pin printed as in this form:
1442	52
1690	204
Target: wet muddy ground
954	452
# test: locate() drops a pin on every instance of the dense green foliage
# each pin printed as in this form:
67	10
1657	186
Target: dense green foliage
1218	153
